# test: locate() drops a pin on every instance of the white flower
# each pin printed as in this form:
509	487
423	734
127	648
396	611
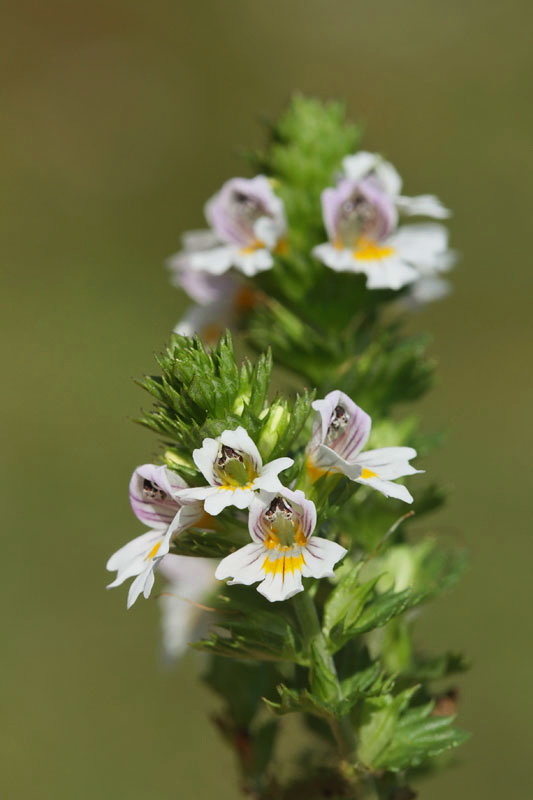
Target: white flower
372	165
234	470
210	320
247	224
155	497
340	432
361	218
283	549
183	619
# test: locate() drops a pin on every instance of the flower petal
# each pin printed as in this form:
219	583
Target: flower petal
389	273
338	259
389	462
222	498
130	559
216	261
244	566
320	556
364	164
191	582
156	511
280	586
351	439
388	488
422	244
251	262
424	205
239	439
204	458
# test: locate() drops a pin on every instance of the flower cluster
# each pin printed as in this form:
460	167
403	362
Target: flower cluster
361	216
281	520
273	520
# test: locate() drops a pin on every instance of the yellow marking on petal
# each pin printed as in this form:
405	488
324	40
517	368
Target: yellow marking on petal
271	541
367	473
300	537
369	250
153	552
227	488
251	248
313	471
284	564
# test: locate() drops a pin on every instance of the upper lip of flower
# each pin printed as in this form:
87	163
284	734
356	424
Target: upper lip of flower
338	448
237	210
355	210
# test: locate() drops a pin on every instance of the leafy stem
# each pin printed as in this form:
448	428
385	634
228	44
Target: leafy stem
323	674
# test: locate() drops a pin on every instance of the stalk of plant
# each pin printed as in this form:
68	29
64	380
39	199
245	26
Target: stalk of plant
281	521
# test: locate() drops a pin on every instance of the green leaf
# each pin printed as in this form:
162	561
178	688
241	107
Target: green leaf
356	607
419	736
292	700
367	683
379	717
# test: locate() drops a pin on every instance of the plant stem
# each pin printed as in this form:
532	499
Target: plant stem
323	674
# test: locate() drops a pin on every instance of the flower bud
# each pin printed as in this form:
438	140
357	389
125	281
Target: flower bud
277	419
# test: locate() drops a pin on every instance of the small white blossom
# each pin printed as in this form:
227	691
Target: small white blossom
234	470
340	432
283	549
371	165
191	581
247	225
155	497
361	219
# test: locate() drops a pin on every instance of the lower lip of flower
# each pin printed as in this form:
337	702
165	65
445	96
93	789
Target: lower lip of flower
227	488
283	564
369	250
153	552
251	248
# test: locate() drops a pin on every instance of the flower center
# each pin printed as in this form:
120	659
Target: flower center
357	217
152	492
339	420
284	529
245	210
233	468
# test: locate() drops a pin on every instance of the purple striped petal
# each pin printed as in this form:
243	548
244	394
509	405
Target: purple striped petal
355	209
240	203
345	434
153	495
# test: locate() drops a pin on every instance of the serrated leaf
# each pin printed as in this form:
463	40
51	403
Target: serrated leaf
379	717
356	607
418	736
367	683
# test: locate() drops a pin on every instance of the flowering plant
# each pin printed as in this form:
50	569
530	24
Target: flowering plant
279	520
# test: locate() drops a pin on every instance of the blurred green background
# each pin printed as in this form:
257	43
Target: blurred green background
119	119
